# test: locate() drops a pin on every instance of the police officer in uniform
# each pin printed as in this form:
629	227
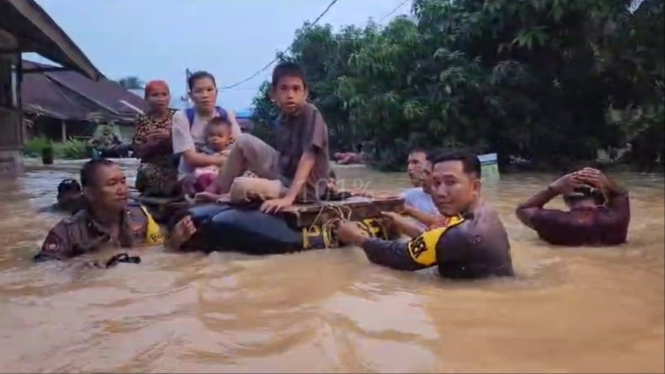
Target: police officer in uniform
469	242
107	219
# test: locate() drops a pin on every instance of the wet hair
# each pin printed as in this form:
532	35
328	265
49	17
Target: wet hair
470	162
192	79
90	169
68	185
418	150
333	175
585	193
288	69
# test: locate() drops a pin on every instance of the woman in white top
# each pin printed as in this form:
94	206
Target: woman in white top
188	125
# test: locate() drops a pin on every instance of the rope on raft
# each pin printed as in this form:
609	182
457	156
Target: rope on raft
343	214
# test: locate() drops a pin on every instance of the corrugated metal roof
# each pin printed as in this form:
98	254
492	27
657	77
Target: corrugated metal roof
37	32
69	95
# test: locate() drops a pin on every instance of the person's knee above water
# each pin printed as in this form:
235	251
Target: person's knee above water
189	125
299	168
108	218
470	243
599	211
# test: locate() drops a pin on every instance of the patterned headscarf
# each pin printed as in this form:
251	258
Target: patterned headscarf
153	85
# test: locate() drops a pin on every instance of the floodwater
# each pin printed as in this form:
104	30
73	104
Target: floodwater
568	310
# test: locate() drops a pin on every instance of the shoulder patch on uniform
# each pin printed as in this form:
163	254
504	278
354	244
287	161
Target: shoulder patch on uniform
53	243
423	248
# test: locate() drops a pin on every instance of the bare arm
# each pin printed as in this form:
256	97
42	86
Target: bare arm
314	141
618	203
305	166
410	229
153	144
529	209
402	225
617	197
422	217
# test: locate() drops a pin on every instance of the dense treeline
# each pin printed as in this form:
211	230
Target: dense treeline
546	82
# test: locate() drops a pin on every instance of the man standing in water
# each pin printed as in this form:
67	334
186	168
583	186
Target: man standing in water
419	169
599	211
418	200
108	219
69	200
470	243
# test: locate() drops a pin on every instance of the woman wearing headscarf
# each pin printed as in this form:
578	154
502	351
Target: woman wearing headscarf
153	144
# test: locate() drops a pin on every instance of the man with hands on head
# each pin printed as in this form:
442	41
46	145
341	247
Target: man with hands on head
598	211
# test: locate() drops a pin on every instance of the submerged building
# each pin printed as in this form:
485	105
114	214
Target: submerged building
62	105
26	27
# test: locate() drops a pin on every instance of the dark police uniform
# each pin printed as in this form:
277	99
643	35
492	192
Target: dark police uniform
471	246
80	234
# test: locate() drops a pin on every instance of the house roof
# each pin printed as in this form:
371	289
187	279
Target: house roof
33	30
68	95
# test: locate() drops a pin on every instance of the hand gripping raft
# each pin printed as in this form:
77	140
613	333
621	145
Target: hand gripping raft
246	229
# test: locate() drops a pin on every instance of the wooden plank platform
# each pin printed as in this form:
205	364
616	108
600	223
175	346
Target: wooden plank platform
297	215
360	208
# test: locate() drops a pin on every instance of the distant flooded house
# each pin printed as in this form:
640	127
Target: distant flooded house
65	104
26	27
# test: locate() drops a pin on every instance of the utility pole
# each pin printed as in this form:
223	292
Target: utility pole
185	98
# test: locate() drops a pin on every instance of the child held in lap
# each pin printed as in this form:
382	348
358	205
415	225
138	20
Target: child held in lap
218	142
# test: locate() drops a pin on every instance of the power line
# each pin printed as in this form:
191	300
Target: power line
394	10
277	58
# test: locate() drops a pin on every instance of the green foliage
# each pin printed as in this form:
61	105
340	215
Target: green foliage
34	146
533	79
72	149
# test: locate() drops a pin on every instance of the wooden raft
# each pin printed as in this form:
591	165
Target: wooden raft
316	214
299	215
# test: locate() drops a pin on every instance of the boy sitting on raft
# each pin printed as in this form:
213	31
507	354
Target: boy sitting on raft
298	170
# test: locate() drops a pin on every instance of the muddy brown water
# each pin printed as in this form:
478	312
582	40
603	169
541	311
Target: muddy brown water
568	310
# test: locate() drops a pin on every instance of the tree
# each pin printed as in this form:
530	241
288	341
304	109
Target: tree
534	79
131	83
